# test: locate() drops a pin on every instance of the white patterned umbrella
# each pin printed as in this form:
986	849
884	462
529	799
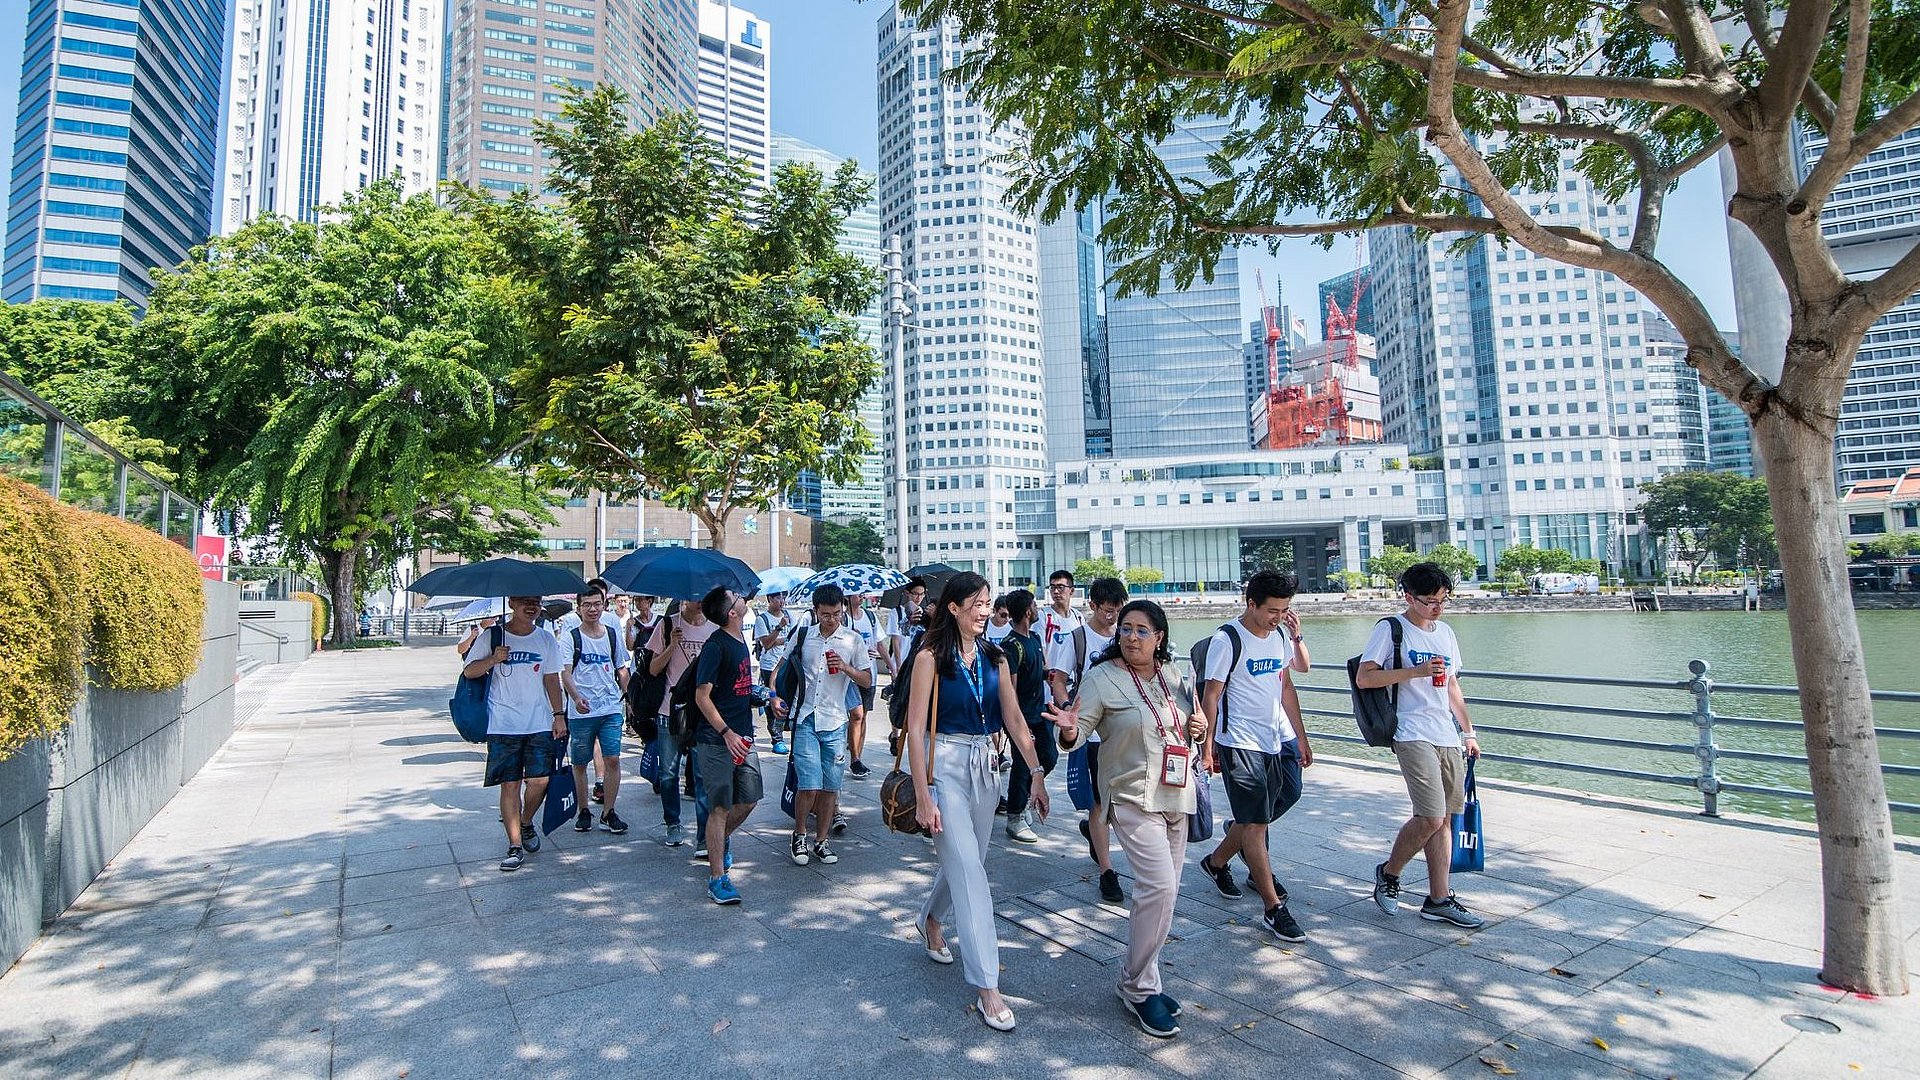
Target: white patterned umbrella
861	578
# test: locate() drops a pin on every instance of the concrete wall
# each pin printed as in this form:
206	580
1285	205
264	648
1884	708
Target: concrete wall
264	622
68	804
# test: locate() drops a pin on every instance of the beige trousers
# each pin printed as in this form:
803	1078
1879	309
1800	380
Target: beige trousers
1156	847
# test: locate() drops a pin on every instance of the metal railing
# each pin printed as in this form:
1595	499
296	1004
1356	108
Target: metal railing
266	582
1694	707
44	447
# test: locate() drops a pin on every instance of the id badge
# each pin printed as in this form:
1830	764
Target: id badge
1175	762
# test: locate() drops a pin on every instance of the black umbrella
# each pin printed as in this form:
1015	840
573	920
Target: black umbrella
499	577
553	609
934	574
682	573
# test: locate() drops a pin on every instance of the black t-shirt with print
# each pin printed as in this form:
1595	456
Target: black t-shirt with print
726	664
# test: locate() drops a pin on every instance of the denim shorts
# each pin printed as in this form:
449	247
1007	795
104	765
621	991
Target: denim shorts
584	732
512	758
819	757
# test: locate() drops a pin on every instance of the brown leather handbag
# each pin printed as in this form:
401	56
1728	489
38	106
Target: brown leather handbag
899	804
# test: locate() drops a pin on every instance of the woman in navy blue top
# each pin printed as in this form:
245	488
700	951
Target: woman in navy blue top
960	682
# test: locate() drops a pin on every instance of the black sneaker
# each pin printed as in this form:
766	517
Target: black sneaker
1222	879
824	854
1173	1007
1386	890
1153	1017
1283	924
858	770
699	850
1450	911
530	838
583	822
611	822
1001	810
1110	887
512	861
1279	890
839	823
798	850
599	791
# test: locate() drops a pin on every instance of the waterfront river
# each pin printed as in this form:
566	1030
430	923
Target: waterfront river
1743	647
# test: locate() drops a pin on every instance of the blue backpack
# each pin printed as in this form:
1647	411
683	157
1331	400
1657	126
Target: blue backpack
469	702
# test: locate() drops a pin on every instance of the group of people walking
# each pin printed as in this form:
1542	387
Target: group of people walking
983	686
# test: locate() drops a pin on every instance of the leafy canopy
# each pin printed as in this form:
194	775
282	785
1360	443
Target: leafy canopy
1722	514
856	540
692	337
342	383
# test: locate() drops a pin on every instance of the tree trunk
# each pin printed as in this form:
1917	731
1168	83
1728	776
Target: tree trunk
339	570
1864	945
716	523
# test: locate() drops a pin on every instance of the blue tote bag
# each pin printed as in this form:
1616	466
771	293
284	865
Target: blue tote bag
1079	780
469	702
562	800
1468	854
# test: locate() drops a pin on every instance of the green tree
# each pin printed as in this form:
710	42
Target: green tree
1519	561
1085	570
691	337
1453	118
1137	576
1743	535
344	385
1458	562
74	353
1722	514
853	541
1391	562
1585	566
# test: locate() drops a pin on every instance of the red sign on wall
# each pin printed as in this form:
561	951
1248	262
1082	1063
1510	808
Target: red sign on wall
212	553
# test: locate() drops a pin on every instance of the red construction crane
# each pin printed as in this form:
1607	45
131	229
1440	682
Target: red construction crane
1270	315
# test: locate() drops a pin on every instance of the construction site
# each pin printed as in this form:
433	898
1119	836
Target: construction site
1329	394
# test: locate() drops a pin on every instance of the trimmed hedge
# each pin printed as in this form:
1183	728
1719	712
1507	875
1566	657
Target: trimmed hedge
79	588
318	607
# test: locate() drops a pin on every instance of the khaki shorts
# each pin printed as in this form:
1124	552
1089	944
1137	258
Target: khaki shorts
1436	778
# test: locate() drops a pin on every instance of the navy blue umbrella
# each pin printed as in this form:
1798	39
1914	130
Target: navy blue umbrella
681	573
499	577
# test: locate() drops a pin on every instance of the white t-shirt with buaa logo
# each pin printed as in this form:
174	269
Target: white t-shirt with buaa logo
1255	716
1426	710
596	675
517	702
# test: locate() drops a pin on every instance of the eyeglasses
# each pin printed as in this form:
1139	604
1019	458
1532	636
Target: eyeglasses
1059	586
1429	601
1135	631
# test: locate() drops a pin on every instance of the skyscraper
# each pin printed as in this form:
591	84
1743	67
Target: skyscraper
1729	432
971	358
1293	338
859	236
512	61
1869	223
735	83
322	102
1151	374
114	147
1533	380
1341	290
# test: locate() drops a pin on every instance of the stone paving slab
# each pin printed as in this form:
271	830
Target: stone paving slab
324	900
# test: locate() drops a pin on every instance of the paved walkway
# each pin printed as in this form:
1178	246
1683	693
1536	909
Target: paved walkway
322	900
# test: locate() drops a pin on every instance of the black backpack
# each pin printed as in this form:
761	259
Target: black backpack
897	704
1377	709
1197	656
788	686
682	714
645	691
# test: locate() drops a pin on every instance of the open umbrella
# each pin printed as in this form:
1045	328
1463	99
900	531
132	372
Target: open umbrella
682	573
935	575
780	579
449	602
499	577
862	579
485	608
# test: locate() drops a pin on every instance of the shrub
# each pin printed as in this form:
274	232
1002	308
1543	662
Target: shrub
40	626
317	605
80	588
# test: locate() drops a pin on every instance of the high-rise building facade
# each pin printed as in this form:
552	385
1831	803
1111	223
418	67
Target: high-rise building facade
860	236
971	358
736	76
1342	290
114	148
1151	375
1293	338
1532	380
1729	432
323	99
511	62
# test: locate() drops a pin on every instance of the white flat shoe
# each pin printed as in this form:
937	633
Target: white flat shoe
942	955
1000	1021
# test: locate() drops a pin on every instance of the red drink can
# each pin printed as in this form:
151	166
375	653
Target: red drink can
1441	679
740	756
833	662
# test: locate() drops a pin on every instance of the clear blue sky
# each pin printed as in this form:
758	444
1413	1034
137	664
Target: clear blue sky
823	92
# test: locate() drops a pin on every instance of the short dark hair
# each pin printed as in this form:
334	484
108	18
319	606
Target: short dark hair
599	585
1058	574
716	604
1107	590
915	582
1019	604
1425	579
1271	585
829	595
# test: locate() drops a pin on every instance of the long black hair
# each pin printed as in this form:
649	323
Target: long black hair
1156	617
942	637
